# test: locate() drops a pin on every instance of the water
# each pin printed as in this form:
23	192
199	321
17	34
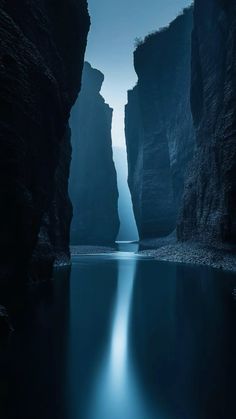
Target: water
124	338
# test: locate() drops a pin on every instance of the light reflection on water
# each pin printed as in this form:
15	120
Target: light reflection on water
116	394
119	341
124	338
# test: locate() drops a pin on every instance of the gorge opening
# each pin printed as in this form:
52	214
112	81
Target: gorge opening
128	312
110	51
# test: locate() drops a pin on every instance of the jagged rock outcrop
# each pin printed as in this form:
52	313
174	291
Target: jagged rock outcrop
209	208
41	59
93	183
159	128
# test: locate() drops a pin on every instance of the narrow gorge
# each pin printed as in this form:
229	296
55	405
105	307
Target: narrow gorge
112	309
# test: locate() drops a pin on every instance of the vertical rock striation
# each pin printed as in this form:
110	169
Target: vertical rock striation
209	208
159	128
93	183
41	59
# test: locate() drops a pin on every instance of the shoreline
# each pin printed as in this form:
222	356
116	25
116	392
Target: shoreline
169	250
87	250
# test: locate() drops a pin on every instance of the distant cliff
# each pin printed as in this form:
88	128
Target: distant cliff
209	208
41	59
93	183
159	128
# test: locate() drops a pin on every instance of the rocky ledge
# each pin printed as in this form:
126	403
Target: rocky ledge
90	250
214	256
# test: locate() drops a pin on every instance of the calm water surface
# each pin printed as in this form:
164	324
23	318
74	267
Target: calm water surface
123	337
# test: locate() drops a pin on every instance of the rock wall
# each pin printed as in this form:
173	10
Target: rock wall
93	183
41	59
209	208
159	128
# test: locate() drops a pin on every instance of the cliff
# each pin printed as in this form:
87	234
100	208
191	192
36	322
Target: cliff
159	128
41	58
209	208
93	183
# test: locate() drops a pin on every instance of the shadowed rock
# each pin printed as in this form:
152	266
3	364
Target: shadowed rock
41	59
159	129
5	325
209	208
93	183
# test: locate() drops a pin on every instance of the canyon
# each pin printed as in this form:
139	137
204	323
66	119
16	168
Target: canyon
180	134
92	324
179	126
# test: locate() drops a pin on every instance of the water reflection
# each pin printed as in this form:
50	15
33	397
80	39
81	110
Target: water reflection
182	340
33	363
125	338
119	341
116	394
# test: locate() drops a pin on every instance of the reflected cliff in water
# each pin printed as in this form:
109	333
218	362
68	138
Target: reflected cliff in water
125	338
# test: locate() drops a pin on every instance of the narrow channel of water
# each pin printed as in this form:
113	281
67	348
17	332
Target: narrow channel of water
116	394
123	337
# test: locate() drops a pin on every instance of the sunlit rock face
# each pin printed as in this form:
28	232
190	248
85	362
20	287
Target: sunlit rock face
93	183
41	59
159	128
209	207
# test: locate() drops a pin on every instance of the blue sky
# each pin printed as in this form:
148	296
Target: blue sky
115	25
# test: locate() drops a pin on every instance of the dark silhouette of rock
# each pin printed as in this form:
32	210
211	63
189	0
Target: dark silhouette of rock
209	208
93	183
5	325
41	59
54	236
159	128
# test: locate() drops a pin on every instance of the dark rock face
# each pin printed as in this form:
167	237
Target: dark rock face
41	59
54	236
5	325
209	208
159	128
93	183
